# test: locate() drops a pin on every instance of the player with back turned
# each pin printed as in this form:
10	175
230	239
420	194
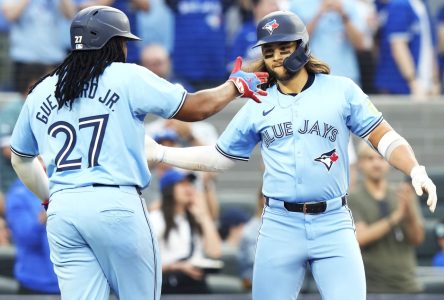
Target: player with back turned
303	127
85	120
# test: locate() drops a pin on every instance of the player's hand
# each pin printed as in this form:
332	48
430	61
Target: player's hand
153	151
421	182
247	83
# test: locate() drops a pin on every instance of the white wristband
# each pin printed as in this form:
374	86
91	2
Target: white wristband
389	142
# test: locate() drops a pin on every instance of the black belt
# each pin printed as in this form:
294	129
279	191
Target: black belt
307	208
115	186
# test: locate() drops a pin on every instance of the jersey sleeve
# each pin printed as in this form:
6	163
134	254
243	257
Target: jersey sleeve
362	115
240	137
399	14
151	94
23	141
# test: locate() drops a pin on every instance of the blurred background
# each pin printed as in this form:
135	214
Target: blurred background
394	49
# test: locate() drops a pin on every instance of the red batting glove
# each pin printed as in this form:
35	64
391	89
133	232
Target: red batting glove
247	83
45	204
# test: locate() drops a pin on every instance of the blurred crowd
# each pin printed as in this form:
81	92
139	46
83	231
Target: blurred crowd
387	47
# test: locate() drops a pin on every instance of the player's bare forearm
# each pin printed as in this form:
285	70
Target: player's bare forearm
397	151
402	157
203	104
32	174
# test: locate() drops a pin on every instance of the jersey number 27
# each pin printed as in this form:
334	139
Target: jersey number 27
98	123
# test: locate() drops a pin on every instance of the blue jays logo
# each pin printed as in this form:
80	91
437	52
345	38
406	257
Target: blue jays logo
328	158
271	26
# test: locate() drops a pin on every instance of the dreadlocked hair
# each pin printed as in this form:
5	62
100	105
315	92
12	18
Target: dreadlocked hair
80	67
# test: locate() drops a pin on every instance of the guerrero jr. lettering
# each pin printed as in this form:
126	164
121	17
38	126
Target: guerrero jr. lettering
89	91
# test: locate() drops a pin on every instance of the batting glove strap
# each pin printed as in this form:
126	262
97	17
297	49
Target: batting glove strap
420	182
247	83
45	204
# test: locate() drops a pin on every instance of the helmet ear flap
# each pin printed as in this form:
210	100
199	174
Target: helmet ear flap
298	58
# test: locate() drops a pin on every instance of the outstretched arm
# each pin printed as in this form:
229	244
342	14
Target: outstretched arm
203	104
397	151
201	158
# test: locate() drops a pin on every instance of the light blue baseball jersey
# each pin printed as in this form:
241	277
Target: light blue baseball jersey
101	140
303	138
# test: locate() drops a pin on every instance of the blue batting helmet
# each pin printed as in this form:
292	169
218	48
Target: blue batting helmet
284	26
94	26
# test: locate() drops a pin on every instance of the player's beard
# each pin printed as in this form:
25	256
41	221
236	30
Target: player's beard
282	78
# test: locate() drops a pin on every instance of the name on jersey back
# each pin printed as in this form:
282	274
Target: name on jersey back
89	91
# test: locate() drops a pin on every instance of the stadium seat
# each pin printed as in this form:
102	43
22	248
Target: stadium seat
8	285
7	258
429	246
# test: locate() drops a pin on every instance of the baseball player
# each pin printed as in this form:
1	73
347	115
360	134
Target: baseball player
303	127
86	120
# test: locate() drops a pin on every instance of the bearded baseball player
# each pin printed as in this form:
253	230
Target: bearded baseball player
303	126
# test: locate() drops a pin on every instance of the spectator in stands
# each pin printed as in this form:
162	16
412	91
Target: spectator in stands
336	32
440	29
231	225
5	61
388	227
156	25
29	74
4	233
34	24
186	234
407	58
199	43
130	8
155	58
438	259
237	13
247	245
27	220
2	202
245	37
366	56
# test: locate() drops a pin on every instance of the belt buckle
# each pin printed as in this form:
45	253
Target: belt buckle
304	208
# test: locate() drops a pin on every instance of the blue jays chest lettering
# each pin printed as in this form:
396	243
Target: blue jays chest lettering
273	133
